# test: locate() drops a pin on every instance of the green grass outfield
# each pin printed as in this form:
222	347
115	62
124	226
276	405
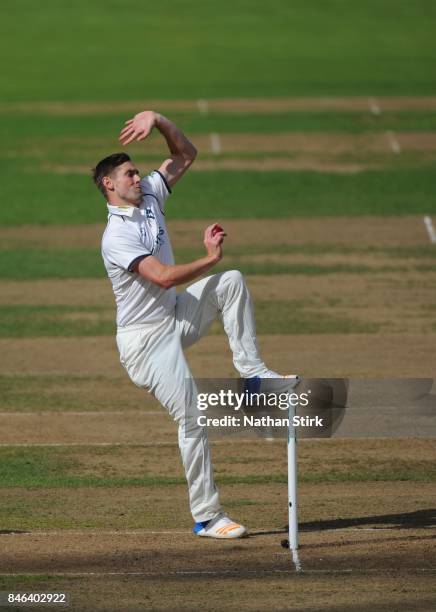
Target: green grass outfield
189	50
87	263
52	130
53	467
272	317
96	50
46	198
106	51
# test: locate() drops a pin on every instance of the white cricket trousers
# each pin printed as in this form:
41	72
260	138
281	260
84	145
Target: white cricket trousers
153	356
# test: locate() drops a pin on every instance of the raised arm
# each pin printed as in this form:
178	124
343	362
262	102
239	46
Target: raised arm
182	150
167	276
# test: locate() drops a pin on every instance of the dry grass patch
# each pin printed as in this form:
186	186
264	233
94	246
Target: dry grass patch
316	163
71	291
231	105
260	458
407	230
315	355
262	506
330	144
380	592
72	393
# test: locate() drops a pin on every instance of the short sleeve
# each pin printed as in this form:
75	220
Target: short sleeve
156	185
123	249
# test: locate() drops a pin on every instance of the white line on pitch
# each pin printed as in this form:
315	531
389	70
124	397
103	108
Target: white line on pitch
203	107
374	106
145	532
152	574
86	532
359	570
430	229
393	142
126	444
89	444
54	413
215	143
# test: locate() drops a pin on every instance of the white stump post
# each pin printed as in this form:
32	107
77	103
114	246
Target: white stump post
292	490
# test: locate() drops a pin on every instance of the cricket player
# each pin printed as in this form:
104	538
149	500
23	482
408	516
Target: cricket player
154	323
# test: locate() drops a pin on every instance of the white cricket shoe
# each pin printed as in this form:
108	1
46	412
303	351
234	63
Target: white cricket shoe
272	374
253	384
221	527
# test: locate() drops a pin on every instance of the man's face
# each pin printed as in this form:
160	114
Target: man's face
123	185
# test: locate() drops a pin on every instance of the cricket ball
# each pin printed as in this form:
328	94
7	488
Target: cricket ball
216	229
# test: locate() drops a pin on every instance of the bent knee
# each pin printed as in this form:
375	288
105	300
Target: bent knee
234	276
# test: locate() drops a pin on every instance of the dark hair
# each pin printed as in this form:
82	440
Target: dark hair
106	166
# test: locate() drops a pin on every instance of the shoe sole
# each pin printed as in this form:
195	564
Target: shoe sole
224	535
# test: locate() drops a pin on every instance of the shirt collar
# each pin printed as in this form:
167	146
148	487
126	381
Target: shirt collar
124	211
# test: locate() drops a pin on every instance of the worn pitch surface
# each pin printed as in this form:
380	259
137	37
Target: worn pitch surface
93	499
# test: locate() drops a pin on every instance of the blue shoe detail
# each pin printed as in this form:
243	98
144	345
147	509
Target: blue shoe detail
199	526
252	385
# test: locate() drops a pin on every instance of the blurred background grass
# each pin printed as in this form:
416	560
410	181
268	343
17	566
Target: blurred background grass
71	73
107	50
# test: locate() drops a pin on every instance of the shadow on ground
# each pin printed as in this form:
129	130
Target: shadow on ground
405	520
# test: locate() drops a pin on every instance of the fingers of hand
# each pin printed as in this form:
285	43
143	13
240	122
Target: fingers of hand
129	133
135	136
214	235
208	232
126	130
126	139
141	135
218	234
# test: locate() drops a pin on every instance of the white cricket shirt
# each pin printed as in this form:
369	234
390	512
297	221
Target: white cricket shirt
131	234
